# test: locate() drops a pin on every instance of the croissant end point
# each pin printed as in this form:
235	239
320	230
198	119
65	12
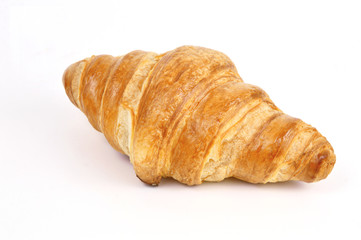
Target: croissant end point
319	167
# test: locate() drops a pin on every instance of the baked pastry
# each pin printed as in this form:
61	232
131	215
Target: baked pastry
187	114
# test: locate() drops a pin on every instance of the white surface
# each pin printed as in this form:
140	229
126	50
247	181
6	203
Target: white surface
60	179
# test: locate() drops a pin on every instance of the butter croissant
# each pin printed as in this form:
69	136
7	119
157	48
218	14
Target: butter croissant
187	114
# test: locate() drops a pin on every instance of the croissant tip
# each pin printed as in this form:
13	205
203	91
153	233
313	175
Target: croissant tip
153	184
319	167
67	80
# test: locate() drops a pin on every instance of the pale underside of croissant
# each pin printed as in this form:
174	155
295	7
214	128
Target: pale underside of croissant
187	114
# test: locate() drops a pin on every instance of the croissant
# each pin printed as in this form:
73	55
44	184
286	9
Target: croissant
187	114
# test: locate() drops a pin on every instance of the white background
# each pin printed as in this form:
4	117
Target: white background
60	179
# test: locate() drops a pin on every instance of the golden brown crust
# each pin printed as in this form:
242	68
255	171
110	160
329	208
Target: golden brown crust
92	87
187	114
119	78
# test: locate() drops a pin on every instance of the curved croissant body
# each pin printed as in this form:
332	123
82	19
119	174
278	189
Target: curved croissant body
187	114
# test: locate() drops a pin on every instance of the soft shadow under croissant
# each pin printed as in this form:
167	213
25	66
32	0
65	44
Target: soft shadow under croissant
187	114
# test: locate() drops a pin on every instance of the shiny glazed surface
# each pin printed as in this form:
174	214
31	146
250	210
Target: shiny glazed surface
187	114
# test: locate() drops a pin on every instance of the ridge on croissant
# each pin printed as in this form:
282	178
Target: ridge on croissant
187	114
